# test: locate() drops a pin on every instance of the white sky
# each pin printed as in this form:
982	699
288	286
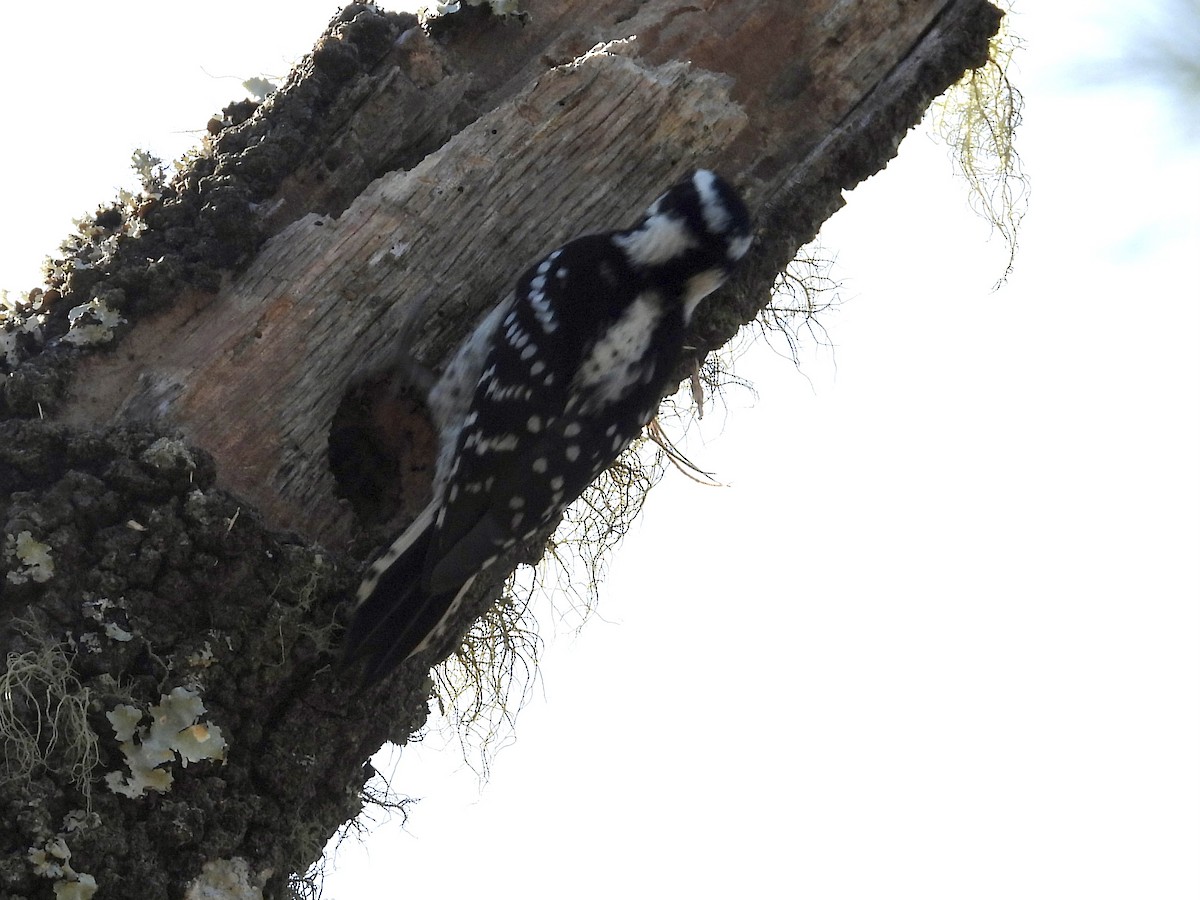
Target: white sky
939	637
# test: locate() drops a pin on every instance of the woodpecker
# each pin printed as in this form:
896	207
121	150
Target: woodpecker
546	392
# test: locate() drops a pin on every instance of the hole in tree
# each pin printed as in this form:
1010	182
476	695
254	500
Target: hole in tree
382	449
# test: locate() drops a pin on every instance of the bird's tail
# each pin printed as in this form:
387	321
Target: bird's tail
396	615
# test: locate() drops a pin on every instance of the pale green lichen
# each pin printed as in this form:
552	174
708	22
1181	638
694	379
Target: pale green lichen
151	173
19	317
52	859
92	323
260	88
48	859
499	7
98	611
228	879
202	658
33	558
175	731
80	889
116	633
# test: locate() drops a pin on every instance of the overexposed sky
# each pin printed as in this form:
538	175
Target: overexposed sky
939	635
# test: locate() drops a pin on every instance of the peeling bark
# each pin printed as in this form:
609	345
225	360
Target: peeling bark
179	477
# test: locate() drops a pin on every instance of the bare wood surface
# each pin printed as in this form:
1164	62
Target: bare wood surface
589	123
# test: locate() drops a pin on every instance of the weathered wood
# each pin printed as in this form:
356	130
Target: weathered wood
567	136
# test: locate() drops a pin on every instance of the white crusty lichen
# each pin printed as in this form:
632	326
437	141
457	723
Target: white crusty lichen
260	88
92	323
115	632
8	346
202	658
175	730
49	858
33	559
499	7
99	610
19	316
228	879
52	859
81	889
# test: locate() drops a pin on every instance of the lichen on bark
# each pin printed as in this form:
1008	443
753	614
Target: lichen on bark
163	581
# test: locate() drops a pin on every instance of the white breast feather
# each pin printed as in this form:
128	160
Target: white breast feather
615	362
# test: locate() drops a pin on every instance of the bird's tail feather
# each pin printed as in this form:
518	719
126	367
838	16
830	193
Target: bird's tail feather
394	614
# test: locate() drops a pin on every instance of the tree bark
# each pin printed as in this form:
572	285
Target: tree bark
172	515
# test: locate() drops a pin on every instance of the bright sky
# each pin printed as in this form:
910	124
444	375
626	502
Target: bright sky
939	636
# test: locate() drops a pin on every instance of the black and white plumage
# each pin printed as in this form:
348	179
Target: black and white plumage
550	388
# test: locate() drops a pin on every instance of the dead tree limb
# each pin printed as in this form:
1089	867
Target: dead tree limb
166	484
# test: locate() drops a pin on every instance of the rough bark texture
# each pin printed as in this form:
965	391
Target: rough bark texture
387	194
